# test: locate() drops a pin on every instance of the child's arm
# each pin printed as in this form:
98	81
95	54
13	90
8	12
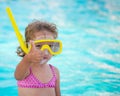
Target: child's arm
57	87
22	69
33	57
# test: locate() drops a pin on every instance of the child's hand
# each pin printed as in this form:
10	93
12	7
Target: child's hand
35	55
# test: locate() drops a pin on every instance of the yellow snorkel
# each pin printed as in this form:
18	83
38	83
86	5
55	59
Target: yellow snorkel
22	41
16	30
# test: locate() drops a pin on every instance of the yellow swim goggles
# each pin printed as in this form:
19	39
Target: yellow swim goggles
54	46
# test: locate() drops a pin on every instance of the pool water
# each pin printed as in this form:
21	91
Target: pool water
90	31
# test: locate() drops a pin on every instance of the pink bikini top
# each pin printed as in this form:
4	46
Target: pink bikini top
32	82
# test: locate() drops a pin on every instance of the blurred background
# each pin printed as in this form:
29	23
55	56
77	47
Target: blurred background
90	31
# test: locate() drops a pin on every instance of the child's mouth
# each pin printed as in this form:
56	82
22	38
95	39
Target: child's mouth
45	57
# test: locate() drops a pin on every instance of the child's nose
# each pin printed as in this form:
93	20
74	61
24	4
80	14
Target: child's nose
46	52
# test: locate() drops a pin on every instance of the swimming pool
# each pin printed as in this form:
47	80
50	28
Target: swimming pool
90	61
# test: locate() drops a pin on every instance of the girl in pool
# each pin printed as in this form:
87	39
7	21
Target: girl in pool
36	77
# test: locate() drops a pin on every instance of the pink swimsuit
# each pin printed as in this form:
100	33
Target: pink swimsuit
32	82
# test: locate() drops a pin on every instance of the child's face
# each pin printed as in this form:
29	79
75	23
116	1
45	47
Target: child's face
44	35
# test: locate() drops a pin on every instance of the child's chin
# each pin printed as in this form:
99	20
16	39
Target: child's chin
44	61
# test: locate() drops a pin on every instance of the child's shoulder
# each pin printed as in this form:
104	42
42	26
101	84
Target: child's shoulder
56	70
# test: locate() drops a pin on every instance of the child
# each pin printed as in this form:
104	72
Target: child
36	77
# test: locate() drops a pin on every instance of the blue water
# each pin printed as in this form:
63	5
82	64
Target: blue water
90	30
